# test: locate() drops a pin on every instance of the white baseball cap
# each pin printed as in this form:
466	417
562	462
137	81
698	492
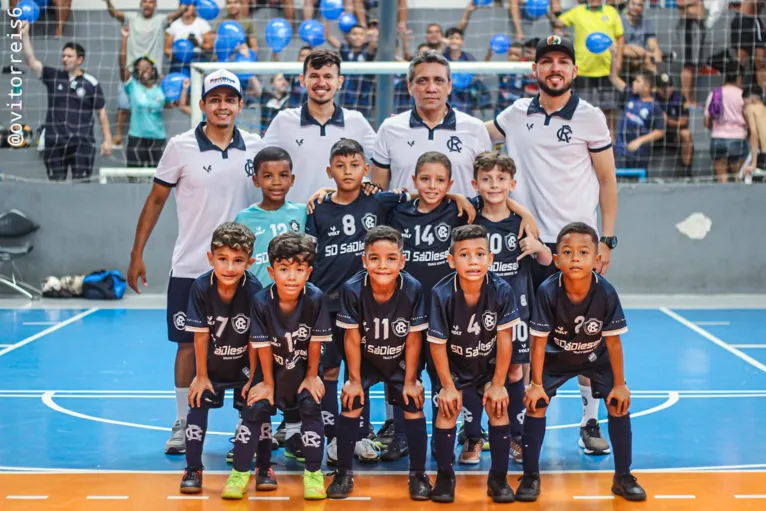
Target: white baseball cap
221	78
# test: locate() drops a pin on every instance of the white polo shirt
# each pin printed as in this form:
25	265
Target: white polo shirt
309	144
555	176
402	139
211	186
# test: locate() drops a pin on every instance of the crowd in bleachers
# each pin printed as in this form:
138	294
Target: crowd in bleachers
632	81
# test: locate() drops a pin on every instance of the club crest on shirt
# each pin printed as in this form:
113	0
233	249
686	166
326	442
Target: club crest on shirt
179	320
369	221
240	323
249	170
303	332
443	231
489	319
295	226
401	327
592	326
510	242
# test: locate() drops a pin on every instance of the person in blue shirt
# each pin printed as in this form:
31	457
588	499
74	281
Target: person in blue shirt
289	325
677	132
642	123
360	45
576	326
473	312
383	313
219	316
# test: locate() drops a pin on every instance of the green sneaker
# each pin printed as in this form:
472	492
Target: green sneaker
313	485
236	485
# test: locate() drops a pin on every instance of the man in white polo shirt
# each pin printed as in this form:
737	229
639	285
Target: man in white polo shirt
565	170
309	132
432	125
210	169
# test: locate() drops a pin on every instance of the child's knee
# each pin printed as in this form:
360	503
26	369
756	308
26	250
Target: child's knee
308	407
496	420
613	412
413	415
331	374
539	412
353	414
260	411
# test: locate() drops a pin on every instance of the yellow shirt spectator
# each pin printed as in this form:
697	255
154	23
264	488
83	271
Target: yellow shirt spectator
587	20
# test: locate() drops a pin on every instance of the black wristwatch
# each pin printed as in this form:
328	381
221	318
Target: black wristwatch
609	241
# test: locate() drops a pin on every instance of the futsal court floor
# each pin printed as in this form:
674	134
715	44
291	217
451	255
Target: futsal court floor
86	404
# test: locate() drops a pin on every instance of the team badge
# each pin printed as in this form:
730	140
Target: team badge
240	323
454	144
179	320
592	326
303	333
510	242
442	231
369	221
554	39
401	327
489	319
295	226
249	170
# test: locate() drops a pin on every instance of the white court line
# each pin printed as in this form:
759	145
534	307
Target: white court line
268	498
749	346
593	497
715	340
39	323
27	497
712	323
675	497
106	497
5	345
355	498
47	331
750	496
673	398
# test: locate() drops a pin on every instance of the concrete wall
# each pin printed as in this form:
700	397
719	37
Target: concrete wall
87	228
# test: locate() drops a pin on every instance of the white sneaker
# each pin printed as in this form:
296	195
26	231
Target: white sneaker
332	451
176	444
366	450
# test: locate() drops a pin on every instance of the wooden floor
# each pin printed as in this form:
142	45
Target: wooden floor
114	492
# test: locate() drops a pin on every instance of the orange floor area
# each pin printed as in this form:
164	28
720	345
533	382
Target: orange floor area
148	492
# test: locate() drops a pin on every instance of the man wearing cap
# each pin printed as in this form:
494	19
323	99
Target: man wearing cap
209	168
564	170
677	132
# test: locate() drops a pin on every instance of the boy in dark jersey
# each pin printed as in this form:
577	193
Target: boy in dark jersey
339	224
289	324
382	310
493	179
219	315
576	326
469	331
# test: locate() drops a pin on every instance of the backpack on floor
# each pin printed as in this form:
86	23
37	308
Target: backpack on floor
104	285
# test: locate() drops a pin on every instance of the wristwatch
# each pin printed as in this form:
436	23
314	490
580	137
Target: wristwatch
609	241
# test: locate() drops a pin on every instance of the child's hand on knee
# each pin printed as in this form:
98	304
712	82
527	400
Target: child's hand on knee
260	392
620	394
533	394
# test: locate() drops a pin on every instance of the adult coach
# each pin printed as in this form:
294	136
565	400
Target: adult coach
209	168
565	169
309	132
432	125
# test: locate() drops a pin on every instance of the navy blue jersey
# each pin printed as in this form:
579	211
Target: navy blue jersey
674	107
383	326
426	239
471	332
227	324
289	336
575	331
340	231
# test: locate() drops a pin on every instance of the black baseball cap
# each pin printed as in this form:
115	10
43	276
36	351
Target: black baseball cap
555	43
664	80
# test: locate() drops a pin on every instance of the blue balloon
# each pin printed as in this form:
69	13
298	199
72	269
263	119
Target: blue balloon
482	3
232	29
224	46
207	9
186	2
278	34
183	51
311	32
172	86
533	9
30	11
331	9
461	81
244	76
346	21
598	42
500	44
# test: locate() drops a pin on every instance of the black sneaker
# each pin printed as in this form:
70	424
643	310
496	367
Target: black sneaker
396	450
265	480
419	485
529	487
499	489
591	440
444	488
192	480
626	486
279	435
294	448
385	434
342	484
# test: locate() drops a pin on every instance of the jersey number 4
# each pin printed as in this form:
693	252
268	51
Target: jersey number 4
473	325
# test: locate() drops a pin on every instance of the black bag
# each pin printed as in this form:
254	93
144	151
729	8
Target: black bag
104	285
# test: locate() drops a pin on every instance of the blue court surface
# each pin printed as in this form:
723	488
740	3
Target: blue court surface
92	389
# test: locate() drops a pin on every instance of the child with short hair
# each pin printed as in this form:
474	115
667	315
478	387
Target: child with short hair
469	331
576	326
219	315
383	314
289	324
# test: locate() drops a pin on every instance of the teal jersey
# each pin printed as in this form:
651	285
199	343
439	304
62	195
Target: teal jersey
146	107
266	225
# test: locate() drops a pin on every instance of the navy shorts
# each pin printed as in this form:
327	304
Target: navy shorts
371	376
334	352
599	372
212	400
178	302
520	352
479	383
286	384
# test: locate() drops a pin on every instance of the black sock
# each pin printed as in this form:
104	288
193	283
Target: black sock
347	428
516	406
400	427
196	427
417	440
622	443
472	409
364	419
500	447
444	440
246	442
532	443
312	431
330	408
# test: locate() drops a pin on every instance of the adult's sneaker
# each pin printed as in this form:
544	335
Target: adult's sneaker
265	480
236	485
385	434
176	444
366	450
191	482
516	452
471	452
626	486
313	485
419	485
444	488
342	484
499	489
591	440
529	487
396	450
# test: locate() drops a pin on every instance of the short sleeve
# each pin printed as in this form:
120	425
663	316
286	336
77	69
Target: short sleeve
48	74
271	137
302	216
171	166
259	333
129	86
508	316
502	121
597	136
541	319
619	29
389	200
204	26
484	142
311	226
368	138
569	18
658	121
380	154
419	319
614	319
649	31
322	331
438	321
348	316
195	310
98	98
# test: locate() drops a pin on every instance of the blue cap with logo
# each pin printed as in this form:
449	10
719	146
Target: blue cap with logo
221	78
